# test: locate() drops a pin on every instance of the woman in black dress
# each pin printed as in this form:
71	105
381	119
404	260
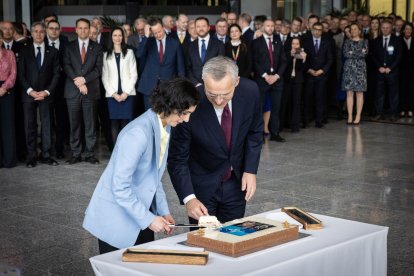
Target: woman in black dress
237	50
294	81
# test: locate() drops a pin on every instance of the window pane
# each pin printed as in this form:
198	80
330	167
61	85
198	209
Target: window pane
401	8
380	6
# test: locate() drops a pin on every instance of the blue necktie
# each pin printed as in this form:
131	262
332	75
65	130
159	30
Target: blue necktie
316	46
203	51
39	58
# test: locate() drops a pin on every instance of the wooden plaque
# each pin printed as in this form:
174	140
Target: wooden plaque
165	256
308	221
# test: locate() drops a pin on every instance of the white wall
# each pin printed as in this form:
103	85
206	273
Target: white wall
256	7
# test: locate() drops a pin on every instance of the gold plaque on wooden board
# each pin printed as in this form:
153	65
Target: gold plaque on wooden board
308	221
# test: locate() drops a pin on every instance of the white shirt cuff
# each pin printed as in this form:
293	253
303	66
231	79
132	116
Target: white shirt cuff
47	92
188	198
264	75
198	84
29	90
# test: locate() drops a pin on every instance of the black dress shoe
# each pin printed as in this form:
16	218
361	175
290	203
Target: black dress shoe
74	160
92	160
277	138
60	155
49	161
378	117
31	163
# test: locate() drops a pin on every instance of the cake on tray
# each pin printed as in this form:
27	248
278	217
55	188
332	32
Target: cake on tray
243	236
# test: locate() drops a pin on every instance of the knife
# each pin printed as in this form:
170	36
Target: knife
180	225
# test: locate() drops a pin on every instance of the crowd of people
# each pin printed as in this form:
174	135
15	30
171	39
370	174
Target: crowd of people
104	78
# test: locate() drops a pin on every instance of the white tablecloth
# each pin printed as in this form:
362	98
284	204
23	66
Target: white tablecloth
343	247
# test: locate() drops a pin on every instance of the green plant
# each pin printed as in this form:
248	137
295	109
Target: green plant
109	22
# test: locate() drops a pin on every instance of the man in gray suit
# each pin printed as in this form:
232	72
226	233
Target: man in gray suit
135	38
82	63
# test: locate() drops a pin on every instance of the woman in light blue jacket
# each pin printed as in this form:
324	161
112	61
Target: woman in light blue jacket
129	203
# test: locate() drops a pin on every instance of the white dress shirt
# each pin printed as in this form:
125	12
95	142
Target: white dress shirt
57	43
206	40
163	44
86	41
408	42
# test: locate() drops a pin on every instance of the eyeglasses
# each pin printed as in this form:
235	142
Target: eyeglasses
224	96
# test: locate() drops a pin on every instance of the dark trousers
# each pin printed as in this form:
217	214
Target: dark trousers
61	123
146	235
147	104
294	92
19	123
314	97
275	90
227	203
407	90
7	131
389	81
30	124
81	108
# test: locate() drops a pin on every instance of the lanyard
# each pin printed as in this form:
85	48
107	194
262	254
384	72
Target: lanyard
235	56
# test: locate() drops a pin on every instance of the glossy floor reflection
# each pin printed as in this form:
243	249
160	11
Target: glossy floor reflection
363	173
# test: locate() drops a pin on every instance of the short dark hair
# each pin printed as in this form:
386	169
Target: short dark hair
297	18
221	19
152	21
53	21
18	27
313	16
202	18
246	17
317	24
175	95
409	24
260	18
50	15
83	20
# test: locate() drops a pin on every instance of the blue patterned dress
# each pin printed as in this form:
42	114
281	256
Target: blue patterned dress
354	76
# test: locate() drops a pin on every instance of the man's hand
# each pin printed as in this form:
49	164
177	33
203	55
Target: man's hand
147	30
159	224
249	185
123	96
196	209
83	90
79	81
170	220
381	70
3	91
319	72
387	70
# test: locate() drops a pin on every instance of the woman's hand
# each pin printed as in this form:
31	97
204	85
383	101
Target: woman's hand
160	224
170	220
123	96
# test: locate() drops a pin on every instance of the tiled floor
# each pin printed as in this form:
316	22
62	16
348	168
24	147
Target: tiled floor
361	173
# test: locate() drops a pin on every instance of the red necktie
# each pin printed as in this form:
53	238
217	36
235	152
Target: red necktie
83	53
270	52
226	127
161	51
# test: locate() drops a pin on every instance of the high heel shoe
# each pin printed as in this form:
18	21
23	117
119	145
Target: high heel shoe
356	123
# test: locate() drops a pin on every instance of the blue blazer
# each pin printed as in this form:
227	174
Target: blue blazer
131	183
199	157
151	70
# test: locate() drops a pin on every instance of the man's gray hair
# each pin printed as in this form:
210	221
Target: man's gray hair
219	67
38	23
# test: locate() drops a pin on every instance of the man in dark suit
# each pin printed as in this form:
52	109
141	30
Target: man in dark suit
247	33
38	75
135	38
82	63
213	158
221	31
56	40
181	34
318	63
161	59
386	55
201	50
269	64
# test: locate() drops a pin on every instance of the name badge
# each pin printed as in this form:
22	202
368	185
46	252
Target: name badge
390	50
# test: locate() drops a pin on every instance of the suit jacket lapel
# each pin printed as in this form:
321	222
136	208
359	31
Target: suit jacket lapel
212	124
88	52
157	137
167	50
236	116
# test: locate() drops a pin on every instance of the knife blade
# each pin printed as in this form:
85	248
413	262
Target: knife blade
184	225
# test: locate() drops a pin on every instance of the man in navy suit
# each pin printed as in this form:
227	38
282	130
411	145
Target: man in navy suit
221	31
247	33
58	41
161	59
318	63
213	159
269	64
201	50
38	75
386	55
181	34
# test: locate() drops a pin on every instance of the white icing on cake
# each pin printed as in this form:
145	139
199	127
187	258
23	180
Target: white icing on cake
209	222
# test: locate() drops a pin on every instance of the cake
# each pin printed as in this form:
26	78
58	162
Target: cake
209	222
243	236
